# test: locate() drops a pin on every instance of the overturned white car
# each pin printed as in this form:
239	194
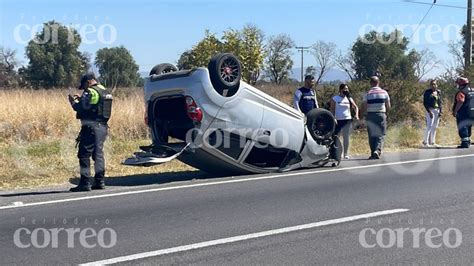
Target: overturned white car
213	121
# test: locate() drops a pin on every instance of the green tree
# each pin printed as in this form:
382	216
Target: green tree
201	53
54	59
232	42
205	49
384	53
246	44
278	62
252	53
186	60
117	68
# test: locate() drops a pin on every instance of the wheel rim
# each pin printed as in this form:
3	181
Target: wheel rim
167	70
320	128
229	70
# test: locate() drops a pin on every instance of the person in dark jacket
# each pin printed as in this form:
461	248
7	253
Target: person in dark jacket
93	108
463	110
433	103
305	97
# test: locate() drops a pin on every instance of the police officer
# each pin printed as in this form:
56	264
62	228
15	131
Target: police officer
93	108
305	97
463	110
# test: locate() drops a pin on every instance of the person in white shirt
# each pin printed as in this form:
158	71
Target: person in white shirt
433	103
341	106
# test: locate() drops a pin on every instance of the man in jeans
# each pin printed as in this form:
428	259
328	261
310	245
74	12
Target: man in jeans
376	103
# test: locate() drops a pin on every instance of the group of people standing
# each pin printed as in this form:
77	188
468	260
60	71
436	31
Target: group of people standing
463	111
375	106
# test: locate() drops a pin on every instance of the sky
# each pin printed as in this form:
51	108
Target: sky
159	31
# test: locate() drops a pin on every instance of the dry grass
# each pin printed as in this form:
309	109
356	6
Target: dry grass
38	131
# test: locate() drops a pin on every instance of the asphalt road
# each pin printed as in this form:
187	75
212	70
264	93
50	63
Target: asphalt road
304	217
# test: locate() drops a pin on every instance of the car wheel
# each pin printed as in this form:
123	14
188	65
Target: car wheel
225	72
163	69
321	125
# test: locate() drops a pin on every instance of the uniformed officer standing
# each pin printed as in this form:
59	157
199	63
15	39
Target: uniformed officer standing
463	110
305	98
93	108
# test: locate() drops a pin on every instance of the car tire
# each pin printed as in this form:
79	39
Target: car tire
321	125
163	69
225	72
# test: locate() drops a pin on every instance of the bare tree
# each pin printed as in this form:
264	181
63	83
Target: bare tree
454	66
278	63
8	63
324	53
456	50
424	61
7	58
346	63
310	70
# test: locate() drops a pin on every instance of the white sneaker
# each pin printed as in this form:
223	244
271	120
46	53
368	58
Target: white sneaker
347	157
425	145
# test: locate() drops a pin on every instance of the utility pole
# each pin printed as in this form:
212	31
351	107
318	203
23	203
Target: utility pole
468	56
302	49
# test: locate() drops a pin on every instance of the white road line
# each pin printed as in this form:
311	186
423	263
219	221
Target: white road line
228	182
244	237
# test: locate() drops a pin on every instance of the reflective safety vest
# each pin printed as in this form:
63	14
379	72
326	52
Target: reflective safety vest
307	100
467	109
99	107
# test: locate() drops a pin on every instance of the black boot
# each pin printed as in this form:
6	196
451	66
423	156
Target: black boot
83	186
80	188
99	184
464	145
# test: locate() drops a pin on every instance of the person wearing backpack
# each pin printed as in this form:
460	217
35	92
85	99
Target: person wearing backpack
342	106
433	103
93	108
463	110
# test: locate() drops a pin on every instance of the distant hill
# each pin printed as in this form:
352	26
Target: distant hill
331	75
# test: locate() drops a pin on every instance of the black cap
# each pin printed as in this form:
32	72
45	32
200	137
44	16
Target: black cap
85	78
309	77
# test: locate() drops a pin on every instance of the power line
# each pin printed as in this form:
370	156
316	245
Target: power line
440	5
302	49
423	19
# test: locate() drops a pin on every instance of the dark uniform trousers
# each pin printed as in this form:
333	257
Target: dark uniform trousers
91	143
464	124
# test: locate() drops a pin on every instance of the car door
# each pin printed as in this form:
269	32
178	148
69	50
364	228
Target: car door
282	125
237	123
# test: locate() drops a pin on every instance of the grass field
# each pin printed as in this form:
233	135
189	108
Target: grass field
38	130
